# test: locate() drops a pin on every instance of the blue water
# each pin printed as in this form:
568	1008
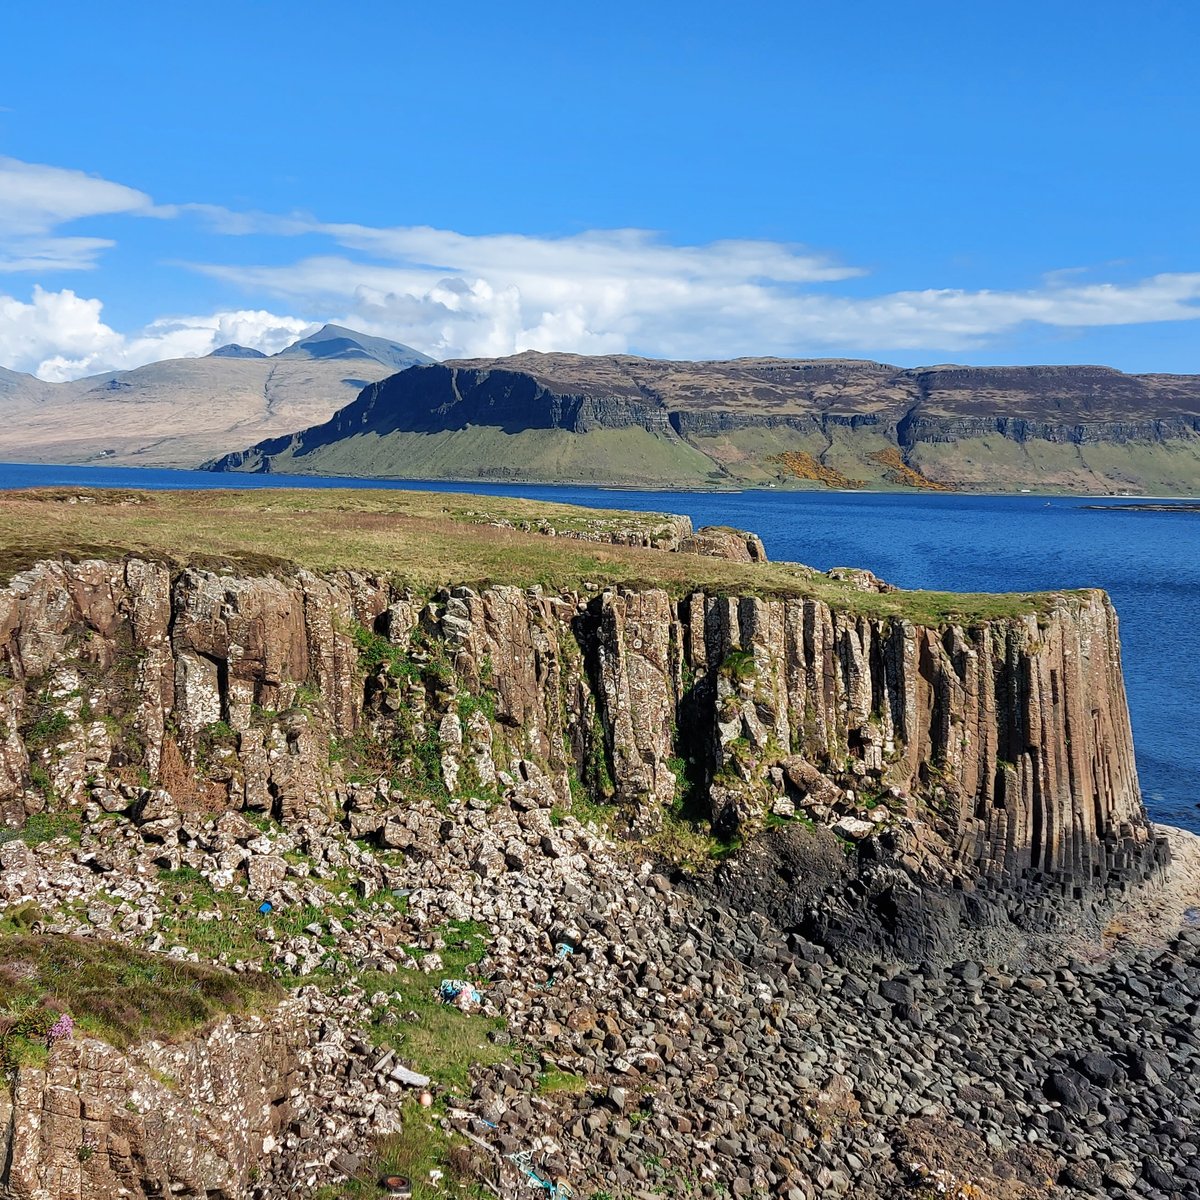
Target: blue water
1149	562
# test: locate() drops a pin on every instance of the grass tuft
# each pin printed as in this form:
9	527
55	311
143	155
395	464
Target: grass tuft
111	991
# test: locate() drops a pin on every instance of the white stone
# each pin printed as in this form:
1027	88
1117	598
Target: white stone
853	828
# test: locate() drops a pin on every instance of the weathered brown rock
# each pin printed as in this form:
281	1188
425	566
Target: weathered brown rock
1007	742
190	1119
719	541
636	695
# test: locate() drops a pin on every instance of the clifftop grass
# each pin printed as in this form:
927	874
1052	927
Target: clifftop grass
112	991
426	540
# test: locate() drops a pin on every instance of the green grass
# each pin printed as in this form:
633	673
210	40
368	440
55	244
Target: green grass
739	665
111	991
44	827
443	1042
773	821
47	729
553	1082
424	540
688	843
998	464
223	925
375	651
422	1146
629	457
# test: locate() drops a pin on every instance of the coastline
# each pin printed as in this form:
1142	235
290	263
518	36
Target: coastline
1160	910
299	479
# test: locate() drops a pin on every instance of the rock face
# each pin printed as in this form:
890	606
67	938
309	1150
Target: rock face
995	759
194	1118
625	419
899	798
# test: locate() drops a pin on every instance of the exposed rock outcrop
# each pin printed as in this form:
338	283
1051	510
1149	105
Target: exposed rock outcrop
621	419
719	541
996	756
195	1118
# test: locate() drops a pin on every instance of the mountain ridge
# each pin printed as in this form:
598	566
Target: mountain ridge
176	412
336	341
624	420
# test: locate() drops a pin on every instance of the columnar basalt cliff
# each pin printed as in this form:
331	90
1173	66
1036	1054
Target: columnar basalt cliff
996	756
856	835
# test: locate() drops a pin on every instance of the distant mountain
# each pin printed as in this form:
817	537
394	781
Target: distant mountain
18	391
178	412
335	342
759	421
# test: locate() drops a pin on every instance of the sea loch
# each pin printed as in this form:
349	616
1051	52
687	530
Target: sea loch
1148	561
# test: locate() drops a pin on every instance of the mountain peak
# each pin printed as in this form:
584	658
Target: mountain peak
338	342
233	350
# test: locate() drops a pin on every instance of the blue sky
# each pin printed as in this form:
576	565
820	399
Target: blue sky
972	182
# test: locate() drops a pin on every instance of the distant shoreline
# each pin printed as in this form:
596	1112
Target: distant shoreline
221	480
1185	507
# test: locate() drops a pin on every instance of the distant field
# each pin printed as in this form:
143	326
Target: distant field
630	457
995	463
750	456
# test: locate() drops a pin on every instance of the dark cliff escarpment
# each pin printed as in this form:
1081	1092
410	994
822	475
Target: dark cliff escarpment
560	416
994	759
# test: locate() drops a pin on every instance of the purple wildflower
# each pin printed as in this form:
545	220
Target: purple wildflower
62	1029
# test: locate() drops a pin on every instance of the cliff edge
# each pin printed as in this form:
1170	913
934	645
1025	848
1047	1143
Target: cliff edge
993	762
643	863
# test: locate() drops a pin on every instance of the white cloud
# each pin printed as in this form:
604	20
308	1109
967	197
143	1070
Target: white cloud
36	199
52	324
190	337
59	335
624	290
459	295
52	254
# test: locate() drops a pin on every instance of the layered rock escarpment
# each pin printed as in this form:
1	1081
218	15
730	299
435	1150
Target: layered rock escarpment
991	764
620	418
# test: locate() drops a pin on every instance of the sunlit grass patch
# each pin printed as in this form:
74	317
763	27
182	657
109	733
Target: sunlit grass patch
111	991
426	540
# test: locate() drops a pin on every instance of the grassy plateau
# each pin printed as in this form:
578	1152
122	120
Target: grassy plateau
426	540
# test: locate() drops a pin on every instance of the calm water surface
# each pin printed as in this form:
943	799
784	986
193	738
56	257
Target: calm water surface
1149	562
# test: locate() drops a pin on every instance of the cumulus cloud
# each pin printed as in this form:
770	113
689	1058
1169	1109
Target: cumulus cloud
35	199
60	335
624	290
457	295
